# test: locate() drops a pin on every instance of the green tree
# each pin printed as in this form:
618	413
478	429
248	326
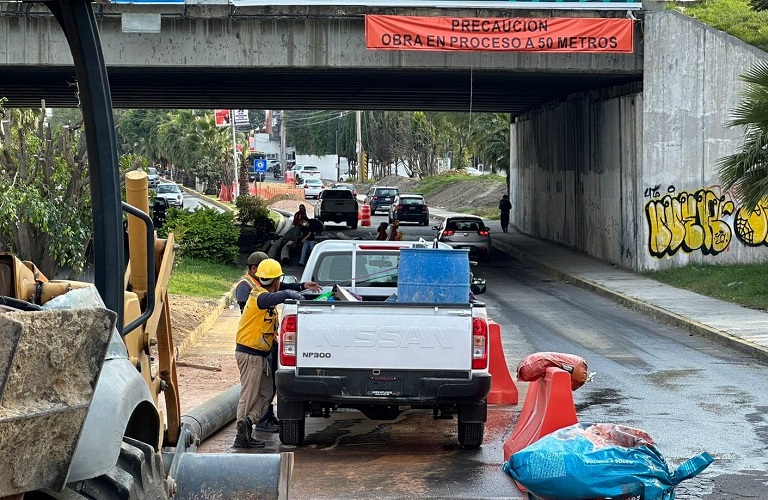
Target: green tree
747	170
45	202
491	137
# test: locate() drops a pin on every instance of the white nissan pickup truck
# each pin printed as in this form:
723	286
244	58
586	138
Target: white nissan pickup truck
379	357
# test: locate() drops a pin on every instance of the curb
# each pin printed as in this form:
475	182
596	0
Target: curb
209	200
688	325
224	302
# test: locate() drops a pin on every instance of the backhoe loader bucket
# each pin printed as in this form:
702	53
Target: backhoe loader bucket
49	364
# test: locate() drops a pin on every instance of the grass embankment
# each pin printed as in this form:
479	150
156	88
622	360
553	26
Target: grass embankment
743	284
734	17
437	183
199	278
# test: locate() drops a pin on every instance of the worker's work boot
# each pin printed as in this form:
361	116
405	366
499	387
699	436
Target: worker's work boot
252	441
243	433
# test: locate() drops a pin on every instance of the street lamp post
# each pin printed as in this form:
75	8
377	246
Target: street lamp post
338	160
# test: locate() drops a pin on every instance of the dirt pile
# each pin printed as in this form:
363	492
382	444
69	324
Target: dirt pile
479	194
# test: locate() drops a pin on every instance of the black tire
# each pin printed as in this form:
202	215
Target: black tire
353	224
292	431
138	475
471	434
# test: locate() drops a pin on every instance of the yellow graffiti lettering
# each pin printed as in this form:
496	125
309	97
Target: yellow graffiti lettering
689	221
752	228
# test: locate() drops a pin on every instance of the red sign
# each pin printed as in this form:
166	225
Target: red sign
512	34
222	117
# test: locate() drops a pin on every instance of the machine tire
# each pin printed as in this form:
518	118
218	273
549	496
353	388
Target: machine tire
137	475
292	431
471	434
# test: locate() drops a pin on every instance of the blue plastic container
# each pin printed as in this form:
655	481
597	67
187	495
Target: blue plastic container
433	275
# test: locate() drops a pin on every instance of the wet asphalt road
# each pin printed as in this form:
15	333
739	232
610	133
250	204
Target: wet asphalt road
689	394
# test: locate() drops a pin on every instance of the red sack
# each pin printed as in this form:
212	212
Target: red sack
535	365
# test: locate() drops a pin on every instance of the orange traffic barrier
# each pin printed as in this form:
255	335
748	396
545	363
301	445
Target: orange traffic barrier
270	190
365	215
226	193
503	388
548	407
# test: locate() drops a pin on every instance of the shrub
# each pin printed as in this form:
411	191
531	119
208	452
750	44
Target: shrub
253	211
205	234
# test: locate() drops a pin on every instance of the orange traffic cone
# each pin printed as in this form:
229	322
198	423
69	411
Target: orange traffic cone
503	388
365	215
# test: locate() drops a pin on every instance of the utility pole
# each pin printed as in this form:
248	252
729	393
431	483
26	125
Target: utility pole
283	162
236	191
359	147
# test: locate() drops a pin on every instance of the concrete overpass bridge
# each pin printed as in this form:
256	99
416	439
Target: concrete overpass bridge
612	154
290	57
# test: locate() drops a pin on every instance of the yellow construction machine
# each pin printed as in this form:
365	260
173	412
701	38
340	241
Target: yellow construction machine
89	399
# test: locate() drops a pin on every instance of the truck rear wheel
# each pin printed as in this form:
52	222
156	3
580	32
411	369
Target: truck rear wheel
471	434
353	224
292	431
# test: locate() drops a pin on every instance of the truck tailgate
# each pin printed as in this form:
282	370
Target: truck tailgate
359	335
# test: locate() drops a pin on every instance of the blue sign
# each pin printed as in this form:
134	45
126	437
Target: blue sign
260	166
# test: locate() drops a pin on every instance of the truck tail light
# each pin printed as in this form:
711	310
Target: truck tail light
449	232
375	197
399	208
424	208
288	340
484	232
479	344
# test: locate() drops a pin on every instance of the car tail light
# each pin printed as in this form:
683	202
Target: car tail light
479	344
399	208
449	232
484	232
424	208
288	340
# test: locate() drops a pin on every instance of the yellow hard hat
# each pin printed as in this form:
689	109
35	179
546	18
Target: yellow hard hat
269	269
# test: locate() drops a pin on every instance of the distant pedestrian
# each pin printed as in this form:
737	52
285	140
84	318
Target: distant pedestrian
381	231
307	240
300	215
505	206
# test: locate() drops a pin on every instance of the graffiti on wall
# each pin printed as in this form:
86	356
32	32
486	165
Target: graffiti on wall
752	228
688	221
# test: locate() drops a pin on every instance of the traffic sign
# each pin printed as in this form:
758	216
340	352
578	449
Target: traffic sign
260	165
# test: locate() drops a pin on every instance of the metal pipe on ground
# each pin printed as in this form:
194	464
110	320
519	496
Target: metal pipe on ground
285	253
274	250
209	417
266	245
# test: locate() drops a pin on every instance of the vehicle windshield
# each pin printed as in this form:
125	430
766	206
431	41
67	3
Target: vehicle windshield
387	192
465	225
371	269
152	171
314	181
337	193
412	201
168	188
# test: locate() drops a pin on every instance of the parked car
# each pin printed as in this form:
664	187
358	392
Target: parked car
312	187
344	185
307	171
466	231
153	177
473	171
409	208
172	194
380	197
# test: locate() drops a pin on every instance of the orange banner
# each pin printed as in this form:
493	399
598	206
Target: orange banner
515	34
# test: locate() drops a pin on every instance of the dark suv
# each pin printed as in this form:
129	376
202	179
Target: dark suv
409	208
380	197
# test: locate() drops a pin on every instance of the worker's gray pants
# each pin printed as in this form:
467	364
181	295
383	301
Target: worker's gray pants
255	386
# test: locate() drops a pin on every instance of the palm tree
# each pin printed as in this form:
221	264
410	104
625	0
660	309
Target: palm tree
747	169
491	135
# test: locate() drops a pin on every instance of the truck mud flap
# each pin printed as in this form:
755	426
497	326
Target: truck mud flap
263	476
49	364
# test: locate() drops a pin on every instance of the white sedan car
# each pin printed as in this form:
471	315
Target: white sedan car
312	187
172	194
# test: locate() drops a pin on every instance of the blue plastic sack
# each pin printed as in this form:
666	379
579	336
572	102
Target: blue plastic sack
587	461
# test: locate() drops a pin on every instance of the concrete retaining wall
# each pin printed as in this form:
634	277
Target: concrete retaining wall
691	84
575	163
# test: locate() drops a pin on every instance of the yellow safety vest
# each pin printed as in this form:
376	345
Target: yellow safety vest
257	327
250	280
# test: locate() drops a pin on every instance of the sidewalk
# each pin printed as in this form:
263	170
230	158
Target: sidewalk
732	325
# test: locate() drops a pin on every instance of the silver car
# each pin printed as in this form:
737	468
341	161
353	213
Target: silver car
466	231
172	194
